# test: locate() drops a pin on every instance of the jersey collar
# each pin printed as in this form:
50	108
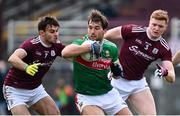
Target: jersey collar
45	45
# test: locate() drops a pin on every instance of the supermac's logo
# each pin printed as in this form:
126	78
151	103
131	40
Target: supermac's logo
136	51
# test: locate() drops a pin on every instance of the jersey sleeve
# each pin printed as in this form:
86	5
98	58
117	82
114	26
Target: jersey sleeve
27	46
126	31
131	31
78	41
167	55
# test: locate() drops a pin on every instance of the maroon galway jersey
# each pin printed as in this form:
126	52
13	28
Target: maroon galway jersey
138	51
36	52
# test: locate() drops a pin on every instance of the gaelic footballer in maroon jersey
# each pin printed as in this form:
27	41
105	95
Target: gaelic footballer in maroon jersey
37	52
141	46
139	51
23	83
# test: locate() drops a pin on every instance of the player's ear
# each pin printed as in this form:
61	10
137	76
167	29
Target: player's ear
41	32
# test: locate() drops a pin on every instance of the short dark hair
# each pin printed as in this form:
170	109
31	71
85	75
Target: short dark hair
97	16
47	20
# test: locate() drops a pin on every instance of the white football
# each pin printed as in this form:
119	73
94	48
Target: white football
88	56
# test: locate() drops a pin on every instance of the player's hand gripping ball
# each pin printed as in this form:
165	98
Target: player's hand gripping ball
95	52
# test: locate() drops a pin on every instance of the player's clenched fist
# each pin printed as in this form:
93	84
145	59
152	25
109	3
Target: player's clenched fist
161	71
32	69
96	49
116	71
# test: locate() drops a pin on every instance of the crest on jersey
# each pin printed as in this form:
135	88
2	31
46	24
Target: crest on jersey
53	53
155	51
107	54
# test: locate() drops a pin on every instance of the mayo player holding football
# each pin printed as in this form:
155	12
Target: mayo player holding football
95	94
23	83
142	46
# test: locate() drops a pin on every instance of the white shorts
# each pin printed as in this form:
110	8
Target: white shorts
129	87
111	103
16	96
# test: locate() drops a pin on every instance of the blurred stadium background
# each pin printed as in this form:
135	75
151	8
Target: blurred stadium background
18	22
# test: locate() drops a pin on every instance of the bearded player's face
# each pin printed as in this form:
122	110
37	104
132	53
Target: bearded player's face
95	31
50	34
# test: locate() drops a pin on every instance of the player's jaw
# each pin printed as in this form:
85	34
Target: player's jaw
155	34
156	28
53	40
92	37
96	37
50	39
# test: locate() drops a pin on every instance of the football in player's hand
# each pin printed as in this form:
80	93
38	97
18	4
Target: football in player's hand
89	56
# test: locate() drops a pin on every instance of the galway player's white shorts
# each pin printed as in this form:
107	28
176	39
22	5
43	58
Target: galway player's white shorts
111	102
129	87
16	96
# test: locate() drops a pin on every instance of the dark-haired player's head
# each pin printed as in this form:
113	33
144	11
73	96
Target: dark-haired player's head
48	28
47	21
97	25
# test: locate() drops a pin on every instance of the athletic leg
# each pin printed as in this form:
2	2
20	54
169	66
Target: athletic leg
20	110
143	102
124	111
92	110
46	106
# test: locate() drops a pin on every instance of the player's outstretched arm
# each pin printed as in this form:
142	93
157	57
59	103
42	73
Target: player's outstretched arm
176	58
16	59
114	33
75	50
171	73
88	46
